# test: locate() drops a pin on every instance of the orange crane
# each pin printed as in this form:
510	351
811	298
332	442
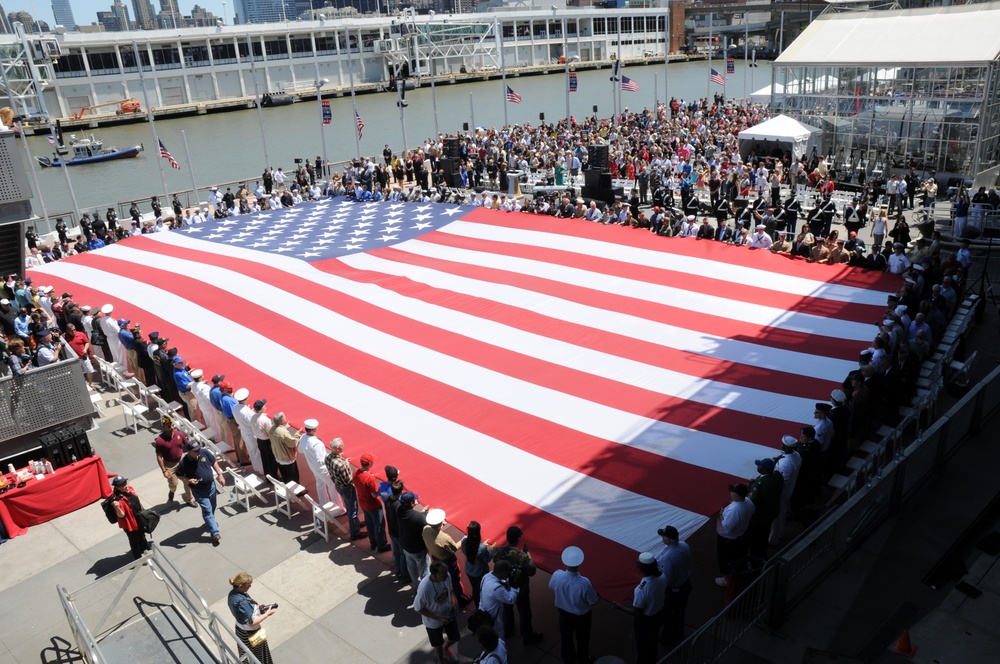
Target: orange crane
124	106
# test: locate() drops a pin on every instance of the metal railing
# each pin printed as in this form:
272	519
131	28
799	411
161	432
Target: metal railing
789	576
42	398
205	625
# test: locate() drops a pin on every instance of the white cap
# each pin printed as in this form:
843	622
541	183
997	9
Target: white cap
888	322
197	373
311	424
761	226
241	394
900	310
572	556
435	517
838	396
789	441
107	308
5	301
690	217
85	307
646	558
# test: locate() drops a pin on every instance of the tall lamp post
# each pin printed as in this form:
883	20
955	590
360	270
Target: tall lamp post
320	82
430	67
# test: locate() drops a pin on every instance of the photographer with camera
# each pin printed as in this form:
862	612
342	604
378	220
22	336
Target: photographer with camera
522	568
249	617
123	508
46	351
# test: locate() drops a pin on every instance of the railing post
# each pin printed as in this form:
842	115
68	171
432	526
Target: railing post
779	594
977	413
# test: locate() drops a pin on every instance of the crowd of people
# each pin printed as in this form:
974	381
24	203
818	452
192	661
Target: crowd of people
683	160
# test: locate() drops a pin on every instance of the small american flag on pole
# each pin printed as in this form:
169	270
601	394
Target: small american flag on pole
360	123
716	77
513	96
165	154
629	85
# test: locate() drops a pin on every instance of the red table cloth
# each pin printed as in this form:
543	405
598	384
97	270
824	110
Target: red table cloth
66	490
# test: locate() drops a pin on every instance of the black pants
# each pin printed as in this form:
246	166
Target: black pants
267	459
523	604
289	472
137	543
673	615
729	551
574	637
646	628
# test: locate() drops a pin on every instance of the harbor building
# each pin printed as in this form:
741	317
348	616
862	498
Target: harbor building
894	89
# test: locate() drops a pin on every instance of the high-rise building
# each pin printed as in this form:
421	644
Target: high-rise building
170	15
63	14
145	17
121	13
200	18
4	23
265	11
24	18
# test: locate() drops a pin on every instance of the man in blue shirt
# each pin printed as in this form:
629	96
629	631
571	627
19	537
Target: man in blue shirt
199	469
575	598
675	564
183	381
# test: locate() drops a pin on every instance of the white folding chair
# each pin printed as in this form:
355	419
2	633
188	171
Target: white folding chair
285	493
324	515
134	414
246	487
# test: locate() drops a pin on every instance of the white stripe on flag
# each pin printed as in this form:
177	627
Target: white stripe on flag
547	486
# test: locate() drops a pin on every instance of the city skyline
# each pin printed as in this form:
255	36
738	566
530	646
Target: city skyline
85	11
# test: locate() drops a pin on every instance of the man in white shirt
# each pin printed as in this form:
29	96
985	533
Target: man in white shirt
574	598
760	239
314	450
242	414
438	607
496	592
787	465
731	528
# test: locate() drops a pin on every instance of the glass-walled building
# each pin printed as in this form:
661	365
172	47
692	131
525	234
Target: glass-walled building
900	88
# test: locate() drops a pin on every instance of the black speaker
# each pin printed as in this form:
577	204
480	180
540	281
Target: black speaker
11	249
452	148
450	168
598	157
592	179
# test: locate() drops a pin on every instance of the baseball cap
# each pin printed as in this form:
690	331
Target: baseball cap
225	385
123	321
218	378
119	481
668	531
178	359
259	403
192	446
367	459
765	464
408	497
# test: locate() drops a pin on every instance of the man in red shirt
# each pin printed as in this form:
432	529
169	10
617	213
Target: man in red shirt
169	447
367	489
80	344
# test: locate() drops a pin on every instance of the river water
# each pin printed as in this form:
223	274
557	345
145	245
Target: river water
226	147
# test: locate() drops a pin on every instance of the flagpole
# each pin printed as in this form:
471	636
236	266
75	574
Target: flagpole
65	170
656	91
152	123
472	111
430	62
187	153
708	92
503	68
319	103
256	99
725	62
746	56
566	55
666	58
618	87
350	71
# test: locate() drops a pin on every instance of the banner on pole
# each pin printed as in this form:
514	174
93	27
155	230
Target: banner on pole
327	115
572	81
730	65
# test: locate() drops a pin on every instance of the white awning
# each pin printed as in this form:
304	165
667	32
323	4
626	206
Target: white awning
960	33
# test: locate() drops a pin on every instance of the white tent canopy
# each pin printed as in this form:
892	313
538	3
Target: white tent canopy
787	132
763	96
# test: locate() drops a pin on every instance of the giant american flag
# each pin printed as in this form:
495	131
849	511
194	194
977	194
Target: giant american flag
590	383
